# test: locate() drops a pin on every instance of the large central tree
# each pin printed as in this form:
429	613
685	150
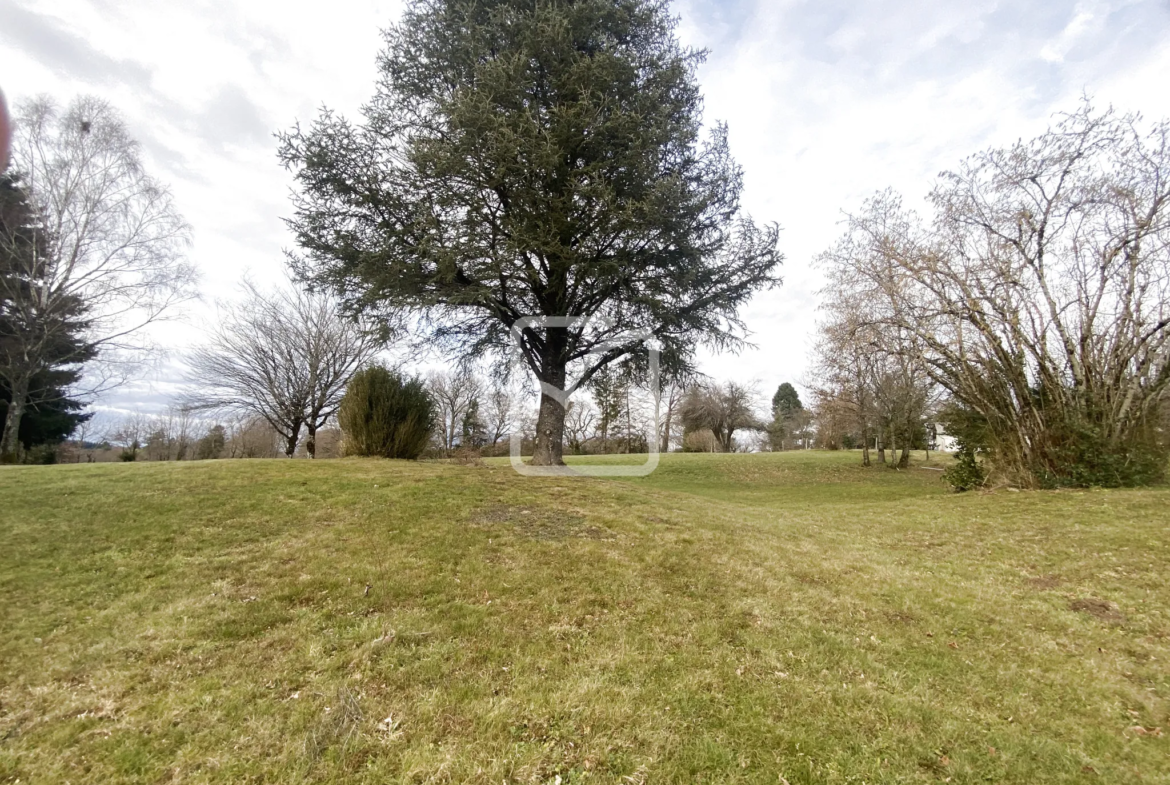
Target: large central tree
534	158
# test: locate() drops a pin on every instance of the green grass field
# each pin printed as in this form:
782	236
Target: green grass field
779	618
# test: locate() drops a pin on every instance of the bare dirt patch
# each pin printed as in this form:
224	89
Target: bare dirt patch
1097	608
540	523
661	521
1043	582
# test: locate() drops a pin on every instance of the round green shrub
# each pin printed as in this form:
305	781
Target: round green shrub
386	415
965	474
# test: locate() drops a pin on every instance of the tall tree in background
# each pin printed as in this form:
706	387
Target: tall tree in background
786	401
501	412
787	411
212	444
41	348
108	259
285	356
671	395
870	365
523	158
455	395
609	386
580	420
844	372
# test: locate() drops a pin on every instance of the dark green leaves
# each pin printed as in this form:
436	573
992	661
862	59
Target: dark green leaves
532	158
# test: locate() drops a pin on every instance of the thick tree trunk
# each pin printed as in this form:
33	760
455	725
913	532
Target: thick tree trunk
10	440
311	442
904	460
907	443
881	446
549	449
291	442
550	432
629	422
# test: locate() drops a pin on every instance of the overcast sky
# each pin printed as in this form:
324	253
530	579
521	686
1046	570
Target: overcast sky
827	102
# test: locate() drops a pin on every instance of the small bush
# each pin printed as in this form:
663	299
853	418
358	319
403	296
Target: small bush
385	415
211	446
699	441
971	435
1080	455
966	474
41	454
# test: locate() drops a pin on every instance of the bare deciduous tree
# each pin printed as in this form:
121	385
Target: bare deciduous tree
671	396
845	370
581	419
285	357
251	436
721	409
170	435
1039	296
873	369
130	434
113	247
454	394
501	412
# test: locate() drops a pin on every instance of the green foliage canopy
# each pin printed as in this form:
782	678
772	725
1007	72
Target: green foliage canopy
524	158
786	401
385	415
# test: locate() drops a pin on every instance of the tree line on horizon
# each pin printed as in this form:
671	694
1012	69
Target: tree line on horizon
467	414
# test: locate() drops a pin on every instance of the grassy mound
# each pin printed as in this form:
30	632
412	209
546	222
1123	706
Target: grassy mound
745	618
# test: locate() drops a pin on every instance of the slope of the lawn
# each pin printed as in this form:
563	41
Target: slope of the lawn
746	618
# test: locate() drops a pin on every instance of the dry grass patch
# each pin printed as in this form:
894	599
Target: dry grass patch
539	523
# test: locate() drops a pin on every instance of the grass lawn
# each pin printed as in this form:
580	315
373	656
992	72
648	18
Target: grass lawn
780	618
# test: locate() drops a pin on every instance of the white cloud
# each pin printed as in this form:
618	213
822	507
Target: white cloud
830	101
1055	51
827	102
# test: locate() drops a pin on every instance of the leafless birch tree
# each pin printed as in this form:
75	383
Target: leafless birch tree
113	242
